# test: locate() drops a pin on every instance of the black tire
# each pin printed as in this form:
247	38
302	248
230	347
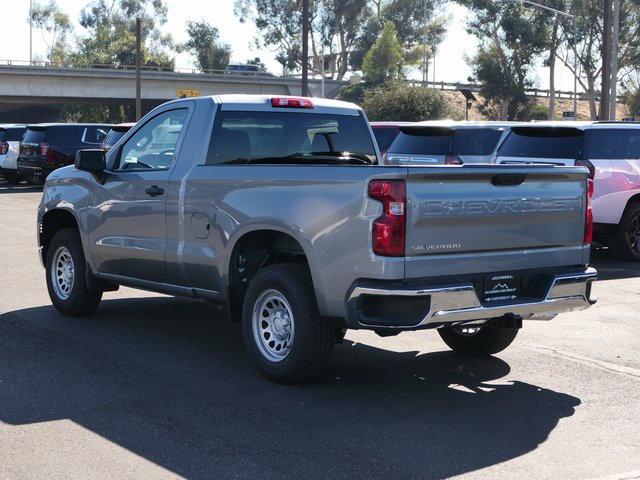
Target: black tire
486	341
79	300
313	337
625	244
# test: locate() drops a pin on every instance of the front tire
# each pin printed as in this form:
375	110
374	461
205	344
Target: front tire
477	340
66	280
283	332
626	241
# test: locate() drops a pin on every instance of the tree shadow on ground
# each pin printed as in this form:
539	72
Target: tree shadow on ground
169	380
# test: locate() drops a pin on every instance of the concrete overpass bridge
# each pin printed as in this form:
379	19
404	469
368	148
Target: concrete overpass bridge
37	93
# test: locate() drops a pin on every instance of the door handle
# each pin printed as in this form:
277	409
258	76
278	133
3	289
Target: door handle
154	190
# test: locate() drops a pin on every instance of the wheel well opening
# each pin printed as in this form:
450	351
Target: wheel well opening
52	222
256	250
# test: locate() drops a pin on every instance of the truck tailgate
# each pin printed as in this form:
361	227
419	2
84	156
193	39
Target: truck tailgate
492	210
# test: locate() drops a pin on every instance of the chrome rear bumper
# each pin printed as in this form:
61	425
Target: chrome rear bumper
460	303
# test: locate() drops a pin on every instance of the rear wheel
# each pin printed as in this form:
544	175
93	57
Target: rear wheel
283	332
66	280
477	340
626	241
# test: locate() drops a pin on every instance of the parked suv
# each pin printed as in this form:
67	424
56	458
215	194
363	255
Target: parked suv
10	136
447	143
611	151
48	146
115	134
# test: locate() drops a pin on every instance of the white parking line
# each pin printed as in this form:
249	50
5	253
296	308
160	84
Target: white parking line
612	367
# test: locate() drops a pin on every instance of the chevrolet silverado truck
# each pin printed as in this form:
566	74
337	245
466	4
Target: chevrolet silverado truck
279	207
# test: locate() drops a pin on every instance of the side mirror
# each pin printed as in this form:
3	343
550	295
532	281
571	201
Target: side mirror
93	160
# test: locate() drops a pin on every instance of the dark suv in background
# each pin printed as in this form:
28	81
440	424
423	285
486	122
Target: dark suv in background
115	134
48	146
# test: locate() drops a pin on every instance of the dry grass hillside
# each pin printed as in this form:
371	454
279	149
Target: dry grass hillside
457	100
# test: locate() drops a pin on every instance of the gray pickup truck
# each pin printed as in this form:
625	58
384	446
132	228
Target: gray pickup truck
278	207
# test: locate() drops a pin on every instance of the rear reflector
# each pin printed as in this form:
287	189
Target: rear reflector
389	229
291	102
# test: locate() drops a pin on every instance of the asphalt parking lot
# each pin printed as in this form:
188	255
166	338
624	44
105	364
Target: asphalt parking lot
157	387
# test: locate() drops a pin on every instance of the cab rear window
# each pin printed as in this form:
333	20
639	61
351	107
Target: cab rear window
253	135
561	143
608	144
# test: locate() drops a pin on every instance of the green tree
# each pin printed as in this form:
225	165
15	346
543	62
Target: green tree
420	28
511	37
51	19
401	102
256	61
384	61
109	33
205	45
279	26
82	112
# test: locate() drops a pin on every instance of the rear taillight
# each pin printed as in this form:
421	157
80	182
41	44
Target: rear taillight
588	224
4	148
389	229
453	160
44	148
291	102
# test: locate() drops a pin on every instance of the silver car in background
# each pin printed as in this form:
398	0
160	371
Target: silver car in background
447	142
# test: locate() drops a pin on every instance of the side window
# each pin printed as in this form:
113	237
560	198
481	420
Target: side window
610	144
153	146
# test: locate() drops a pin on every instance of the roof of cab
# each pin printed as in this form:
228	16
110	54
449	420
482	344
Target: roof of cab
240	100
70	124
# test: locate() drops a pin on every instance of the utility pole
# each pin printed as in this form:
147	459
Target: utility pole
603	114
30	32
138	65
305	48
614	58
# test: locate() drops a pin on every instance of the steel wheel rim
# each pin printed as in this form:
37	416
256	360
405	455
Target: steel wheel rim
273	325
62	273
633	235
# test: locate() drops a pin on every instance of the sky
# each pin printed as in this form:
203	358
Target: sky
450	64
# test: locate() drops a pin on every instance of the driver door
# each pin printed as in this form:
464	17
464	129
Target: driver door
127	215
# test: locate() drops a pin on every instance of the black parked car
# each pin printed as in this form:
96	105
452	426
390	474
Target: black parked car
48	146
115	134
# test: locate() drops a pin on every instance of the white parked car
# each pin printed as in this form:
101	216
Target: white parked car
611	150
10	136
447	142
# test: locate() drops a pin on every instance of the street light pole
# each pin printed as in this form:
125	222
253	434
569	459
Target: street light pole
305	48
614	59
30	32
138	65
575	48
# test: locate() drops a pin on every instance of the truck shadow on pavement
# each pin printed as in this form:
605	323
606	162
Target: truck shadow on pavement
168	379
611	267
